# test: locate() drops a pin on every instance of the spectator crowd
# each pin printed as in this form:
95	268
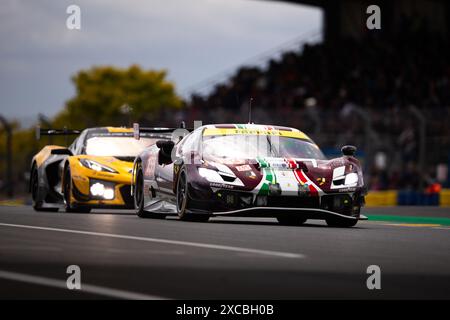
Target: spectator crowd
374	93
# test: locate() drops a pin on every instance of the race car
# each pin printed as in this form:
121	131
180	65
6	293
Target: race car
93	172
248	170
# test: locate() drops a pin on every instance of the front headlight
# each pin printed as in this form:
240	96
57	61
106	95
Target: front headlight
351	179
220	176
210	175
93	165
342	180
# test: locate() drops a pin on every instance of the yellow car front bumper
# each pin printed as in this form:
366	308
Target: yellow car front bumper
84	178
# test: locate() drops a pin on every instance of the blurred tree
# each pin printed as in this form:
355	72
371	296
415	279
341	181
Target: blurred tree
23	146
105	96
115	96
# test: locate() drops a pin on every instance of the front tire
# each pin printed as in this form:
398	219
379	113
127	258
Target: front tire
68	205
37	204
183	200
138	196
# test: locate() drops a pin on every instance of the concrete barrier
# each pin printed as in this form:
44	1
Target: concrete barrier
444	199
407	198
381	198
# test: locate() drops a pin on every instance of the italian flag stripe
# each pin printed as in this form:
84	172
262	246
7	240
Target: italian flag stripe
262	163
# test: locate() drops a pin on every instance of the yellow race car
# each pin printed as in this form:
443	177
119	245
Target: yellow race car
93	172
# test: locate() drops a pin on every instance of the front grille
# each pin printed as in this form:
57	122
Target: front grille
234	199
341	203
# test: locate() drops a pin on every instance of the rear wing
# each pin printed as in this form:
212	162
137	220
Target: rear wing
55	132
139	131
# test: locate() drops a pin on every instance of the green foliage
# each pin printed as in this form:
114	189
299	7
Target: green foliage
103	91
23	147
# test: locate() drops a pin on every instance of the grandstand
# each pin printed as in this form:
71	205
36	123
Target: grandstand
386	91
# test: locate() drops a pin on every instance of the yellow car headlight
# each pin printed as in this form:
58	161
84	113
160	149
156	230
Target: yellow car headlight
93	165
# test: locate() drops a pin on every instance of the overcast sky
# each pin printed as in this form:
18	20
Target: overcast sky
192	39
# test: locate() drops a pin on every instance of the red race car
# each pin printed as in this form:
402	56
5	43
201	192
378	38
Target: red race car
248	170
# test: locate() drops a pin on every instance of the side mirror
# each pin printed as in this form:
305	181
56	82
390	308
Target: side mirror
165	151
62	151
165	144
348	150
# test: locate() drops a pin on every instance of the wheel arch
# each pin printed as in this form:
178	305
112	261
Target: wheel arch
177	168
63	175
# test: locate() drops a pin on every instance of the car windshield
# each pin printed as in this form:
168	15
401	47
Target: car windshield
117	146
252	146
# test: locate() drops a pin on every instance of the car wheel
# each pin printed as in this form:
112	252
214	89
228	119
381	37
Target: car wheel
37	204
138	193
67	190
182	199
291	220
341	223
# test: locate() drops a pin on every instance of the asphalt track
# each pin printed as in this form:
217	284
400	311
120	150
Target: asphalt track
123	256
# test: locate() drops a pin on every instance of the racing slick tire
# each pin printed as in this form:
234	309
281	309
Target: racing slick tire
138	196
341	223
291	220
34	183
67	187
183	200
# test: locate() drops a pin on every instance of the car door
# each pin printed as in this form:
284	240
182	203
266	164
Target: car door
164	180
164	173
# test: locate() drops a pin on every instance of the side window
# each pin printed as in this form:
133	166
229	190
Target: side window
72	147
78	144
81	146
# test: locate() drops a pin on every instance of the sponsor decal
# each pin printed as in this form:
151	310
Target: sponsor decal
104	175
347	190
254	131
244	167
221	185
150	167
250	174
321	181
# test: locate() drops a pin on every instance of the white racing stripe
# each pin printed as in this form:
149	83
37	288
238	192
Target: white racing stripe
166	241
85	288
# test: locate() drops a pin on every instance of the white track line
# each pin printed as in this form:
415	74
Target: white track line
85	288
166	241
